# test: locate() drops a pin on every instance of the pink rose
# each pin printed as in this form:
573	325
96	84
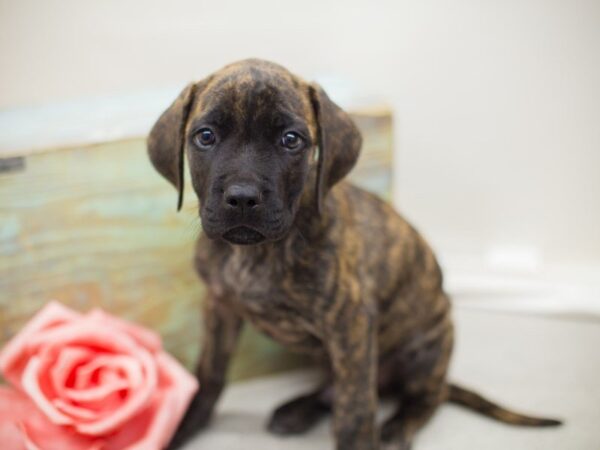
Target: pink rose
89	382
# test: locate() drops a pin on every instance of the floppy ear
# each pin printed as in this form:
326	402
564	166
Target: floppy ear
166	141
339	142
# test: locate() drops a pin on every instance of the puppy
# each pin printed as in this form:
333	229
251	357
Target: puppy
317	264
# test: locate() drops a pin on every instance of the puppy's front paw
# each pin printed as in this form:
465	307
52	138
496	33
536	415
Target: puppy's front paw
297	415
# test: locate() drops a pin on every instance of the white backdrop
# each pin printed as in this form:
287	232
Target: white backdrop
497	103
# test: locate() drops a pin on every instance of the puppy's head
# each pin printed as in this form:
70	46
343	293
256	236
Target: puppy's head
258	141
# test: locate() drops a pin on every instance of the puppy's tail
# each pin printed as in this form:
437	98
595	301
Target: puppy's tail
476	402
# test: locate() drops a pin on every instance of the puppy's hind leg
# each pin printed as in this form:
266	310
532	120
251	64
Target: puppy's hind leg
398	431
302	413
423	388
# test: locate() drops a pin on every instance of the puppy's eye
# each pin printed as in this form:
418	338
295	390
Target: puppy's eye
204	137
291	140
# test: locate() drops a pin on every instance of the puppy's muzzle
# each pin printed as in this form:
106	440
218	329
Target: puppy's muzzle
242	200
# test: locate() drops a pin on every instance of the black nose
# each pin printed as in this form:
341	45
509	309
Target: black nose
242	196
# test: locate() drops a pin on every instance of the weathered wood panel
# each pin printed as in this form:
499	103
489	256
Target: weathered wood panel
96	226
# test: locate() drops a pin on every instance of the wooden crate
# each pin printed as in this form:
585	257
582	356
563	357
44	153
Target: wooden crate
95	225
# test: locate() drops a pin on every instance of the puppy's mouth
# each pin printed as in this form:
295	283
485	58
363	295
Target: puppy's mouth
243	236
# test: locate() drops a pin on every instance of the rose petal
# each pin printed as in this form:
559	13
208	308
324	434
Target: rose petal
155	426
106	388
11	436
85	333
130	367
159	430
76	412
19	414
14	355
31	386
149	339
68	359
138	399
178	388
102	400
87	374
182	383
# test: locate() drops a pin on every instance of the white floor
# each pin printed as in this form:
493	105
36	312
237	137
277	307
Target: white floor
547	366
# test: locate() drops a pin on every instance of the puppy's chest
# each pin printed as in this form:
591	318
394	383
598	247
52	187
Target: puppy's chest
250	277
265	292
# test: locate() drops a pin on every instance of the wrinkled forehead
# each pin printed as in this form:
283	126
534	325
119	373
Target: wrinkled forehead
255	97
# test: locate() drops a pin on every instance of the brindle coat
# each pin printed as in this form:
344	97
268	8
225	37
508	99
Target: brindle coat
328	269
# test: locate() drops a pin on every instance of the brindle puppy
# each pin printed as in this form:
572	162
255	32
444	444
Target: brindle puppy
314	262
